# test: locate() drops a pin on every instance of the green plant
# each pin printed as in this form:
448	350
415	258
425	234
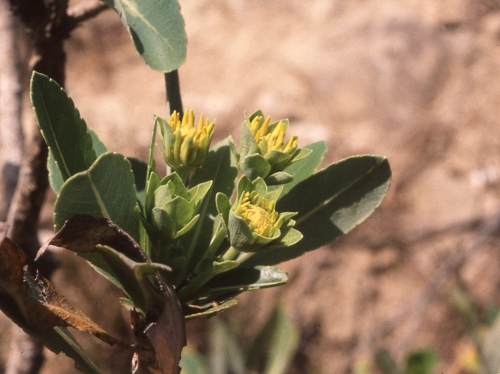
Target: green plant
186	220
183	245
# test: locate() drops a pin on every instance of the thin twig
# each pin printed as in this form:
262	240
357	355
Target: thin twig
11	133
47	30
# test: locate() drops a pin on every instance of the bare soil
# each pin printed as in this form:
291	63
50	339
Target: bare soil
415	81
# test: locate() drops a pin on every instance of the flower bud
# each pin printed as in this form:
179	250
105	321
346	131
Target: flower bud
264	152
185	146
252	223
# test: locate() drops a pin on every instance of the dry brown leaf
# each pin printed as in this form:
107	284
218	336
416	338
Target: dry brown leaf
168	334
74	317
50	309
82	233
12	260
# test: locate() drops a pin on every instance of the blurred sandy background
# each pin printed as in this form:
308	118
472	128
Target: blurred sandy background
417	81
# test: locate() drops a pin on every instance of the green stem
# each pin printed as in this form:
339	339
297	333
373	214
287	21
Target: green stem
184	174
244	257
231	254
216	242
172	86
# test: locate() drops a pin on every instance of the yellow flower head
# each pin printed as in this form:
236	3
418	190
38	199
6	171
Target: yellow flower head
275	138
261	217
189	145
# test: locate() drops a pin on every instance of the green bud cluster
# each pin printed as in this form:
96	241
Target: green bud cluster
172	211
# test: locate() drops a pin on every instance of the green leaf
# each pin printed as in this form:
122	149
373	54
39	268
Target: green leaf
304	168
258	112
276	158
188	227
300	154
163	223
270	195
209	270
151	187
273	125
248	145
97	144
289	236
176	185
140	170
64	131
132	277
330	203
157	30
223	205
240	234
56	179
279	177
244	185
180	210
243	278
106	190
198	193
259	186
254	166
151	176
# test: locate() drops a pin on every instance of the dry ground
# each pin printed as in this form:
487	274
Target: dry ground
416	81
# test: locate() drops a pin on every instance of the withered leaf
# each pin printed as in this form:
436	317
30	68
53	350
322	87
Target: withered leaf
81	233
160	342
12	260
35	300
72	316
168	333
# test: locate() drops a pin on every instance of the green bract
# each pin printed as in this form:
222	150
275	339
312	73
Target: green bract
173	209
263	152
252	223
